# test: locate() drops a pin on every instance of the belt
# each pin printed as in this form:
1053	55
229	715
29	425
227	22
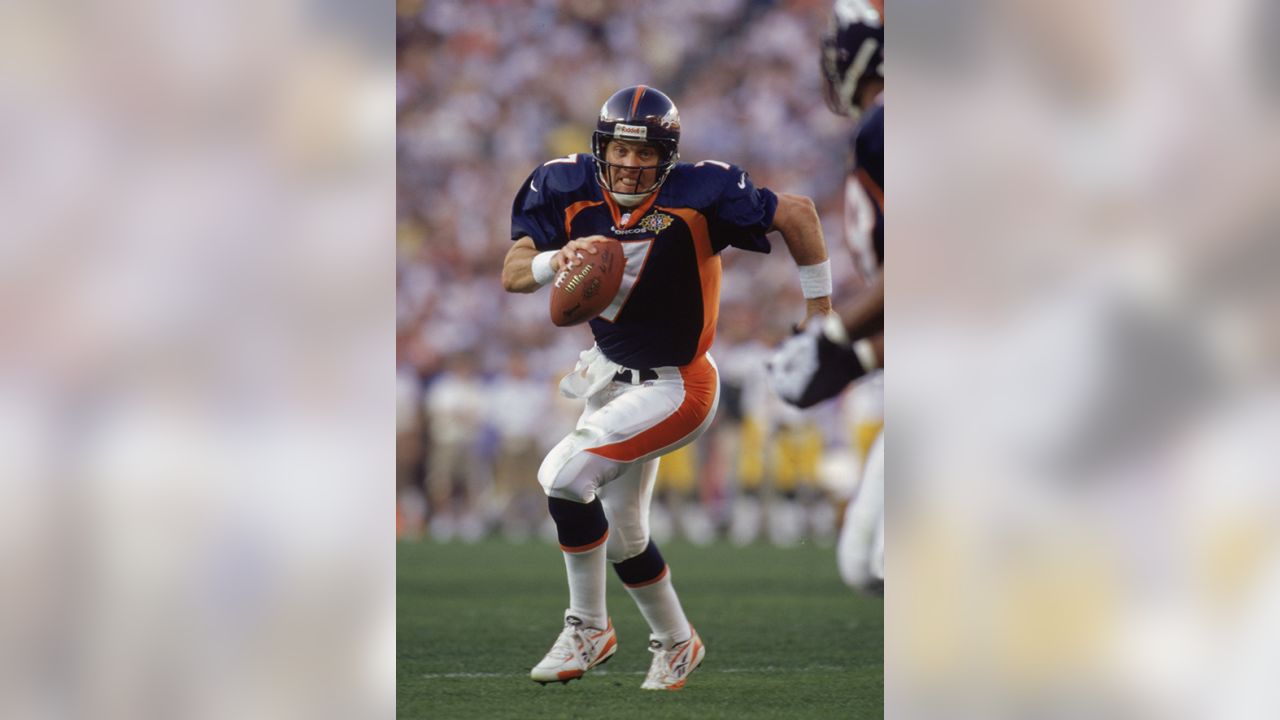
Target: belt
635	377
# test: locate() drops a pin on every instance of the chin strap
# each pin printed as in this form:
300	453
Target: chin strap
629	200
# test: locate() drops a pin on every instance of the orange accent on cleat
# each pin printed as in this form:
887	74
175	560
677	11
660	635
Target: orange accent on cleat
576	650
672	665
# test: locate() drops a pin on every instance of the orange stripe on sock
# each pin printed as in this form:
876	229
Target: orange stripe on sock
699	393
647	583
587	547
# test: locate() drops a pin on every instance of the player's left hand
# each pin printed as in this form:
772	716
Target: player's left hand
815	311
809	368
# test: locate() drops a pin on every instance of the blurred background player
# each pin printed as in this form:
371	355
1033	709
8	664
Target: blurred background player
649	384
456	405
411	430
819	363
796	508
677	510
518	405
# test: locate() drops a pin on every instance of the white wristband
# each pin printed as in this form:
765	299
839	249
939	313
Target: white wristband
542	272
866	353
815	280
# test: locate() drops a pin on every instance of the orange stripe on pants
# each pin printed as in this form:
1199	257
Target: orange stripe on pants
700	385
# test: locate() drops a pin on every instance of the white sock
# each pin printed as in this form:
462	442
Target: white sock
661	609
586	571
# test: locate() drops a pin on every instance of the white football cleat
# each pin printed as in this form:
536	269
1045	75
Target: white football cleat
672	663
578	649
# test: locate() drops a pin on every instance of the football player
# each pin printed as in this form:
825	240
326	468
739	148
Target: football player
820	362
649	384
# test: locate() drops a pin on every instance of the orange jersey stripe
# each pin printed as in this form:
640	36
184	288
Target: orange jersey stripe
588	546
572	211
708	272
871	187
700	383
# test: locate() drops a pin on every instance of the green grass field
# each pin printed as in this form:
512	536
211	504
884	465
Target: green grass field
785	639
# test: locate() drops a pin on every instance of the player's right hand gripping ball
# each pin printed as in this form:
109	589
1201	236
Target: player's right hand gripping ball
584	289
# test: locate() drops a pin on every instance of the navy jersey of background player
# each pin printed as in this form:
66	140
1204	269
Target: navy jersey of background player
864	193
665	312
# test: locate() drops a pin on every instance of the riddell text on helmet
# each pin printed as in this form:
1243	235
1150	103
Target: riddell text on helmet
624	131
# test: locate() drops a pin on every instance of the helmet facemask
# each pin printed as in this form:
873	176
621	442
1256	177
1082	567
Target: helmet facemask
852	55
606	171
637	114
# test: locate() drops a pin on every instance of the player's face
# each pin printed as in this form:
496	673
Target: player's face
638	163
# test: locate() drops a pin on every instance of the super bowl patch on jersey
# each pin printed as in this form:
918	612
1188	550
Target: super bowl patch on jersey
657	222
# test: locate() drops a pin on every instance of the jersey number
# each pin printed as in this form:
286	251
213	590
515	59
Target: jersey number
636	252
860	219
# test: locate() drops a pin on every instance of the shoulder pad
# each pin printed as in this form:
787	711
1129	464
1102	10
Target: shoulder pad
702	183
564	175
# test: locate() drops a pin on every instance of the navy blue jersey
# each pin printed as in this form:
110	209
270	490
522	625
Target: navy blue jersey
864	193
665	312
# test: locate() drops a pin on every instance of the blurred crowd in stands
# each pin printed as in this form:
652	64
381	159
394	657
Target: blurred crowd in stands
488	90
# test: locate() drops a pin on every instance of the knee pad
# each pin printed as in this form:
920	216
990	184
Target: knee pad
645	568
570	472
579	527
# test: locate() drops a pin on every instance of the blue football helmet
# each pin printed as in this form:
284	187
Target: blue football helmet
639	114
852	53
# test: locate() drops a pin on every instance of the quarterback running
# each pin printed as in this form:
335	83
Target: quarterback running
648	383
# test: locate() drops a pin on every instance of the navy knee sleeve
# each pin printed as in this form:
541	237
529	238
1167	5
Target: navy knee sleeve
643	569
579	526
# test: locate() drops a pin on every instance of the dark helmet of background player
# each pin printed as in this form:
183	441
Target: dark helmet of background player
852	53
640	114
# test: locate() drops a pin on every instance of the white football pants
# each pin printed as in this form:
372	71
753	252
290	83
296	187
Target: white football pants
613	452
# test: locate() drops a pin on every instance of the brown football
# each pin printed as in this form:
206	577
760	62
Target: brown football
583	290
